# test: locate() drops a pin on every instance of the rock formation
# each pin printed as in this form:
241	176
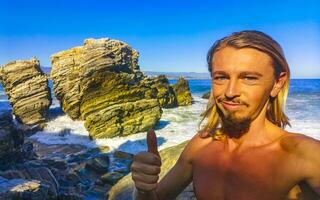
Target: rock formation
206	95
101	83
124	188
164	91
27	89
182	92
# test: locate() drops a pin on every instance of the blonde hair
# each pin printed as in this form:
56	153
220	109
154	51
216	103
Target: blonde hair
262	42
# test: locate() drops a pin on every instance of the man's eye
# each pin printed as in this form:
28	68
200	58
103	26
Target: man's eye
219	78
250	78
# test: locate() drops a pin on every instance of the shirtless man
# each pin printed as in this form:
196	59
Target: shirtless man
243	152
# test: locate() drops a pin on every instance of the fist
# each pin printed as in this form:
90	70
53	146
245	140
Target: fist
146	165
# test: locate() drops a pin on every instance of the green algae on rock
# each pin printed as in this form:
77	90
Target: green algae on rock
182	92
101	83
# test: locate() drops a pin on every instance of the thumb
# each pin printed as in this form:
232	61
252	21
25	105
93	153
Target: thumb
152	142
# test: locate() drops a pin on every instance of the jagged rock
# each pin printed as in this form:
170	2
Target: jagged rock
164	91
182	92
27	89
206	95
11	140
112	177
99	164
101	83
22	189
42	174
124	188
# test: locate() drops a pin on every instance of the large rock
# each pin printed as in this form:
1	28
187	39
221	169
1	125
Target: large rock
124	188
101	83
42	174
11	139
22	189
27	89
182	92
164	91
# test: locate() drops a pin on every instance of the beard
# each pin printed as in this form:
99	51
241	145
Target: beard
233	126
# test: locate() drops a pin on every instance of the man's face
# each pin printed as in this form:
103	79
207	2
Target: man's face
242	81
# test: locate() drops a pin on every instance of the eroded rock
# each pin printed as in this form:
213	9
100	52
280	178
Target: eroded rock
27	89
182	92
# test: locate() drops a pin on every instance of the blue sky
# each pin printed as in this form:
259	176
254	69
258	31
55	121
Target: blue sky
170	35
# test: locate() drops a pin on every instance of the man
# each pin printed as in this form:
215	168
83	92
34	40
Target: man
242	152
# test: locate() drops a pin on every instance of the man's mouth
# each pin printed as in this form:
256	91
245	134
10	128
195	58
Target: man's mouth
231	105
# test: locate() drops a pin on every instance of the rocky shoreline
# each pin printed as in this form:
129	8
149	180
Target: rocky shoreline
99	83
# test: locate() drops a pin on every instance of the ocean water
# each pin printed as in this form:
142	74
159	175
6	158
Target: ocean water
179	124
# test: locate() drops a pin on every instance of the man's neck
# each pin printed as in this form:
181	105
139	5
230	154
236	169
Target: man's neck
261	132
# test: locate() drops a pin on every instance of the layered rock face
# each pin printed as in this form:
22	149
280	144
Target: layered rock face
124	188
100	83
164	91
182	92
27	89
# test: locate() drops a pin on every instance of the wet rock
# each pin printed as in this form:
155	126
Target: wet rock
27	89
99	164
206	95
123	155
112	177
70	193
23	189
182	92
123	189
11	141
42	174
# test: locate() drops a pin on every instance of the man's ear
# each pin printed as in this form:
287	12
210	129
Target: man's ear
279	84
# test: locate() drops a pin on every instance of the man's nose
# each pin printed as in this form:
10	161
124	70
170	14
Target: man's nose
233	89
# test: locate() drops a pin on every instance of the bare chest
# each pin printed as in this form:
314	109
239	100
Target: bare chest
253	174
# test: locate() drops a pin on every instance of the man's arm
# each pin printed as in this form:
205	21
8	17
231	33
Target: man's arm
309	148
178	178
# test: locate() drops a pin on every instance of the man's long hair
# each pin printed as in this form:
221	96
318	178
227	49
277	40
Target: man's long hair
263	43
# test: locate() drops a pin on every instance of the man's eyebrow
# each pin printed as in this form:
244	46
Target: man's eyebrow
219	73
250	73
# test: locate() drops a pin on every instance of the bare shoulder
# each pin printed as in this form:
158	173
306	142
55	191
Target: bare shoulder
299	143
194	145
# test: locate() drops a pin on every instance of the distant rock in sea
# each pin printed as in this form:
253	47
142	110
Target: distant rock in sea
206	95
182	92
27	89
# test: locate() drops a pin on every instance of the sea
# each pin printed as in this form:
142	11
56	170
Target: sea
178	124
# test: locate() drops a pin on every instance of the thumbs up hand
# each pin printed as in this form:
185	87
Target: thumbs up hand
146	165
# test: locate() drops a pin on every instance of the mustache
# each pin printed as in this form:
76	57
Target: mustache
234	101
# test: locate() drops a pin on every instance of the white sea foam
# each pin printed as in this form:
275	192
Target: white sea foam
176	125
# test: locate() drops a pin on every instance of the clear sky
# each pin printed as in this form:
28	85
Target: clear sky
170	35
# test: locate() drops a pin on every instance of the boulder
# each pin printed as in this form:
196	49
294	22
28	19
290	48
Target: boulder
101	83
22	189
11	139
182	92
206	95
42	174
27	89
164	91
124	188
